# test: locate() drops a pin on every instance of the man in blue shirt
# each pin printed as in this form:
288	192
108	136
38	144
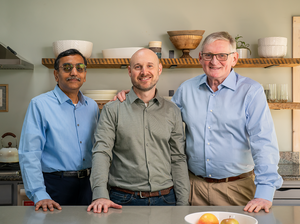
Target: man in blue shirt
229	132
56	142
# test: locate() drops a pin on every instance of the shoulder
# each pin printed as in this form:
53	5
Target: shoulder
250	84
43	98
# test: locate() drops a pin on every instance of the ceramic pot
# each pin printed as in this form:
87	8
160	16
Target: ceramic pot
243	52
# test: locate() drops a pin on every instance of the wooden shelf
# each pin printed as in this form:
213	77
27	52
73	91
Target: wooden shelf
284	106
272	106
184	62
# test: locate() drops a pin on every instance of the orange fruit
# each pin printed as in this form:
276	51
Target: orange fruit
208	218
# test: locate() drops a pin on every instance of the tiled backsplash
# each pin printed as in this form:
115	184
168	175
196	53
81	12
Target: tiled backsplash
289	158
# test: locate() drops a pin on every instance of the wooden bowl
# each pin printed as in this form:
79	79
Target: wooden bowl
186	32
186	43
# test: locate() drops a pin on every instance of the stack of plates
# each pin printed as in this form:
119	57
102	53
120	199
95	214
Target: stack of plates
100	94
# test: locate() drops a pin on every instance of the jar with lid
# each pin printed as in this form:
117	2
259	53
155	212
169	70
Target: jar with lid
155	46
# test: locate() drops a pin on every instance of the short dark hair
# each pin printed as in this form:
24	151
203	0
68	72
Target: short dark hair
67	53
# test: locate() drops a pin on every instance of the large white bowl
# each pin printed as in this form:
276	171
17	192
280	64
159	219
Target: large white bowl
125	52
84	47
100	94
272	41
242	219
272	51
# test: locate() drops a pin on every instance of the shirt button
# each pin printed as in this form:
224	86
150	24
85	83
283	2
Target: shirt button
208	143
213	94
146	127
80	142
207	160
209	175
77	124
208	127
210	110
83	159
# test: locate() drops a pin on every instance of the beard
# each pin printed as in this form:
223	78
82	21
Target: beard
144	89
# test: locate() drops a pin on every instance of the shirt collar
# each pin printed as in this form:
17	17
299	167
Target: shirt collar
132	97
229	82
62	97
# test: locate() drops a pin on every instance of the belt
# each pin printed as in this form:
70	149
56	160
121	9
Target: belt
79	173
228	179
145	194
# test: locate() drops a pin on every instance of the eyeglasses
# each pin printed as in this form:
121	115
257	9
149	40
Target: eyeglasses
220	57
68	67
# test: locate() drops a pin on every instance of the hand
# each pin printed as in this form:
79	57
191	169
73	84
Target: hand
102	203
121	95
47	203
257	204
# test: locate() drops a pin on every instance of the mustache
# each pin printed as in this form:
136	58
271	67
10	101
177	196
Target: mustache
73	77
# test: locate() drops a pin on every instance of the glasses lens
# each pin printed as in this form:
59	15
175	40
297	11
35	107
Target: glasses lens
67	67
80	67
222	57
207	56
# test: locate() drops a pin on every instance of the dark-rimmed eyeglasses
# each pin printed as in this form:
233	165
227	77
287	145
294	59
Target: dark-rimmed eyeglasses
68	67
220	57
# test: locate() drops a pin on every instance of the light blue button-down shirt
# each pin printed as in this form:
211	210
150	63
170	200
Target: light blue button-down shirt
230	131
56	136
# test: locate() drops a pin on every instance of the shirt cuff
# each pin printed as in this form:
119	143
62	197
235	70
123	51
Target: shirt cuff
100	192
40	195
265	192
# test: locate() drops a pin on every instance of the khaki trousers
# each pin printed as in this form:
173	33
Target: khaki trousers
238	192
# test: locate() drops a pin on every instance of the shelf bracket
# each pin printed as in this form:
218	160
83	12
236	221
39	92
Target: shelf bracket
271	66
173	66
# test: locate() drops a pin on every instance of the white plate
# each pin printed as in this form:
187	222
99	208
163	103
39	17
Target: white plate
242	219
100	96
102	91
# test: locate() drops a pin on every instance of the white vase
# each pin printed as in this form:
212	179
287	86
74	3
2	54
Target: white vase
243	52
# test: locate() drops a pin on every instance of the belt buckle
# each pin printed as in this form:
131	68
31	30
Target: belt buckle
80	174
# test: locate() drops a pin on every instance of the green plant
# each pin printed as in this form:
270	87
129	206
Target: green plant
241	44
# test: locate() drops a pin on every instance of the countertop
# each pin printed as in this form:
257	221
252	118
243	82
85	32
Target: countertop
138	215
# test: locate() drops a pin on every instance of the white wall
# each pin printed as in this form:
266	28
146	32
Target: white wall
30	27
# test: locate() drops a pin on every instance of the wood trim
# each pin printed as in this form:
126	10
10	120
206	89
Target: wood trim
296	84
184	62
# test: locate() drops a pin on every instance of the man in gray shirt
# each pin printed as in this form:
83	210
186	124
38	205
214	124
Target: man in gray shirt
139	149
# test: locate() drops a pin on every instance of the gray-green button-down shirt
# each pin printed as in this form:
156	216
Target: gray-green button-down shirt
140	148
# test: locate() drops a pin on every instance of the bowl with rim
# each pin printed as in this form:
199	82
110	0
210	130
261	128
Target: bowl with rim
84	47
241	218
100	94
124	52
272	41
277	51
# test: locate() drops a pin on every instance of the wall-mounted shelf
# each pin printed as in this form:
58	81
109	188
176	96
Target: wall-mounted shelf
273	106
284	106
185	62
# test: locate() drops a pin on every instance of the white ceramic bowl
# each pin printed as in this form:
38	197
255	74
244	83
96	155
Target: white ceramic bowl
272	51
84	47
125	52
272	41
100	94
242	219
